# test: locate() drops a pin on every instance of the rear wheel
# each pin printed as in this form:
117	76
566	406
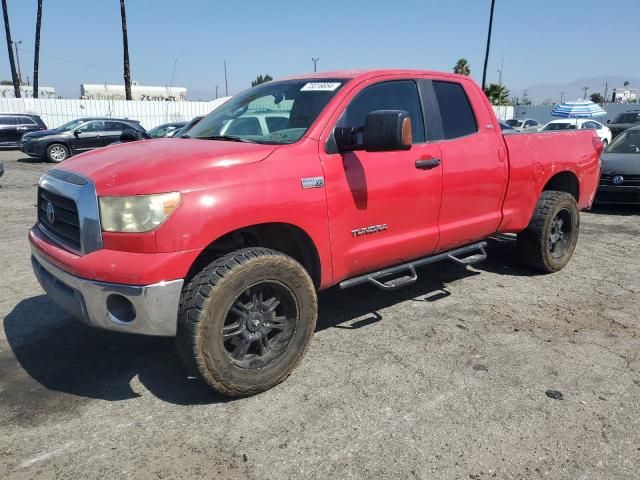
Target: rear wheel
246	320
57	152
549	241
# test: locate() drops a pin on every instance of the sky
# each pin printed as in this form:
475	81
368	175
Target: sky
541	41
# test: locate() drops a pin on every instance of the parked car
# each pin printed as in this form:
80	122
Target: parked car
14	125
507	129
228	240
580	124
187	127
166	129
76	136
524	124
1	169
623	121
620	180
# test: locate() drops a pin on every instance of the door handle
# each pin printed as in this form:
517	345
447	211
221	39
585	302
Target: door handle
427	164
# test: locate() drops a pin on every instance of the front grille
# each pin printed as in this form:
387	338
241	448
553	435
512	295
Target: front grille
628	180
65	228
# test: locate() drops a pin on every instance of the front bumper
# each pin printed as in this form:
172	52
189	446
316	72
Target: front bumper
146	309
618	194
31	148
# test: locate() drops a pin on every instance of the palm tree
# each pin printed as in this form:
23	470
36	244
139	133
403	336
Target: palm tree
36	53
125	46
462	67
497	94
12	63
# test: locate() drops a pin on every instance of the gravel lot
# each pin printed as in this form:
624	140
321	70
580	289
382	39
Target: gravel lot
445	379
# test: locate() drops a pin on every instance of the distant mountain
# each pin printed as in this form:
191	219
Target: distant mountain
573	90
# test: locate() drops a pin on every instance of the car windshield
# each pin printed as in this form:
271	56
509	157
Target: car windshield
514	123
70	125
627	118
560	126
627	142
296	103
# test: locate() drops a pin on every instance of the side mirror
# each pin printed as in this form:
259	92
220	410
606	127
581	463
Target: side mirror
76	133
383	131
130	135
608	121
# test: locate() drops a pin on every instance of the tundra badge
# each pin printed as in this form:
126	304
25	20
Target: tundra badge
366	230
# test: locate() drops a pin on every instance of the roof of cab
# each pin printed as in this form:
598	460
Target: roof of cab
364	74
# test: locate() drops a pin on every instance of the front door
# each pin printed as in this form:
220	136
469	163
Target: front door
383	208
88	136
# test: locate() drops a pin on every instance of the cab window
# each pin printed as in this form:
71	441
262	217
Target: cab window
394	95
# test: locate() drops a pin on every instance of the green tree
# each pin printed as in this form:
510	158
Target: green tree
596	98
462	67
626	83
497	94
260	79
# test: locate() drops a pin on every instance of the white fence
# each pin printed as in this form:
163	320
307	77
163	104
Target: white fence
55	112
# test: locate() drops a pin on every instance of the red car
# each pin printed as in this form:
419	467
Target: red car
222	238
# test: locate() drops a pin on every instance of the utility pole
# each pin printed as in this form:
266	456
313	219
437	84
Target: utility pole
586	89
15	44
486	55
500	71
173	72
7	31
315	64
562	94
216	91
226	83
606	91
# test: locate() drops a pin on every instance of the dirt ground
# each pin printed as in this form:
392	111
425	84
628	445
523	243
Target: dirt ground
442	380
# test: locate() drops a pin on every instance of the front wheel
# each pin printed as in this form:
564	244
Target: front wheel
245	320
548	243
57	152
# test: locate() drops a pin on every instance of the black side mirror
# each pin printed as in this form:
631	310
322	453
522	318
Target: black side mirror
77	133
383	131
130	135
608	121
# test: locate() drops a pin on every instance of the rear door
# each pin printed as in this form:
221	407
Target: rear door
7	129
112	132
25	125
474	164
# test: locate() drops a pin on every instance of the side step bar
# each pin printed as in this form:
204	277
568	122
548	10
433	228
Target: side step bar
409	269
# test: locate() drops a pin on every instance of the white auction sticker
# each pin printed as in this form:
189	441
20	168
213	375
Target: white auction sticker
320	86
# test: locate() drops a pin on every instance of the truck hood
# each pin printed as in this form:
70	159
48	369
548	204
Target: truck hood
621	163
162	165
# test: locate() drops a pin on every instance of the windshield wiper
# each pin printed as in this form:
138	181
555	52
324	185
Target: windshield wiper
225	138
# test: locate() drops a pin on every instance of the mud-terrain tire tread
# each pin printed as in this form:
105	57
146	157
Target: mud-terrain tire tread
532	242
202	289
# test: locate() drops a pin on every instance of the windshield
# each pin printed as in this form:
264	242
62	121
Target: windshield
162	131
514	123
627	142
560	126
274	112
627	118
70	125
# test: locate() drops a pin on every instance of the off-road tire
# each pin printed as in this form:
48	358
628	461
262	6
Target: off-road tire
534	242
50	152
204	305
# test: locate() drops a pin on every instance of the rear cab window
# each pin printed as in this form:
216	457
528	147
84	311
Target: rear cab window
456	112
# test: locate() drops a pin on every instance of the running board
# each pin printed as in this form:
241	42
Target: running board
459	255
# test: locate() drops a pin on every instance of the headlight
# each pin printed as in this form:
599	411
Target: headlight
136	214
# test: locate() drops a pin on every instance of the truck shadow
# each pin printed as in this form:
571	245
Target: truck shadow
66	356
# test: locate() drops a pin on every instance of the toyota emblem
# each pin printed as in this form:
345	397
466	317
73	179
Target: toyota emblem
618	179
51	213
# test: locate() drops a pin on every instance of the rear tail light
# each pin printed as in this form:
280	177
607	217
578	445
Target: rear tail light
597	144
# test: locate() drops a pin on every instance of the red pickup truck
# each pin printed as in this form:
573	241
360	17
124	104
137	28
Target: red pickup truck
223	237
